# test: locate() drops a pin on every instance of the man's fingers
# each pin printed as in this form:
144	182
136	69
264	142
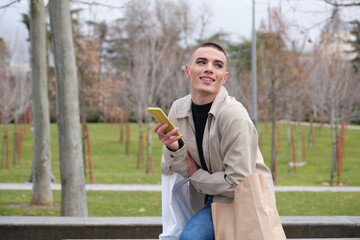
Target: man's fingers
161	129
171	139
172	132
156	127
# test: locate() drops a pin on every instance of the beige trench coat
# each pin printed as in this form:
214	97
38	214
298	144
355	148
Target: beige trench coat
230	147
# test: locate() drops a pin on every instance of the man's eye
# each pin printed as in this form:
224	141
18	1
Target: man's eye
200	62
218	65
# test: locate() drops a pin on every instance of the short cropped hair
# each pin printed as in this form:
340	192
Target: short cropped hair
213	45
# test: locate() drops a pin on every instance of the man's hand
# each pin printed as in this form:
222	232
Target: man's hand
191	165
168	139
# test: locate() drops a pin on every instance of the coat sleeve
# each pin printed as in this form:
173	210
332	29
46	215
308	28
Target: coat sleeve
238	146
174	161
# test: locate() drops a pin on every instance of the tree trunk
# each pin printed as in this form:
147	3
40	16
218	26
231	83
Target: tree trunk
3	149
73	193
141	136
128	138
273	131
149	143
311	132
141	145
15	141
299	139
273	142
333	144
288	145
83	137
42	194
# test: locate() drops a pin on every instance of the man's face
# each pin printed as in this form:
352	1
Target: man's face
207	73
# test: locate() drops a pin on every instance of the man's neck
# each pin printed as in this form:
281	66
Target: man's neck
201	99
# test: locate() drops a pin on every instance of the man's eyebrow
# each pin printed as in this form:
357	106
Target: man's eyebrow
201	58
216	61
219	61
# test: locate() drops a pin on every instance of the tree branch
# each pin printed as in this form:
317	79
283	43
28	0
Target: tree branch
9	4
335	3
97	4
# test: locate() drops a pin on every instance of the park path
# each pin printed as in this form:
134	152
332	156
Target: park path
148	187
354	127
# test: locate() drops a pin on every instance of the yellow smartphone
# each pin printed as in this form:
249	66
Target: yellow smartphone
161	117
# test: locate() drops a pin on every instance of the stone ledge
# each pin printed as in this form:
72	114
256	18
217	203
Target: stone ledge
295	227
321	226
79	227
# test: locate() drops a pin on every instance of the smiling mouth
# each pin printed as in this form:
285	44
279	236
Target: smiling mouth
207	79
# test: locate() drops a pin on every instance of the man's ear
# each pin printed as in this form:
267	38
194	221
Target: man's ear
225	77
187	71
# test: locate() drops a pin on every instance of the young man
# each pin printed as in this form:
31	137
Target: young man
218	147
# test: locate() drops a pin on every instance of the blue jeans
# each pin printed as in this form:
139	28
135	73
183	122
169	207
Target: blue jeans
200	226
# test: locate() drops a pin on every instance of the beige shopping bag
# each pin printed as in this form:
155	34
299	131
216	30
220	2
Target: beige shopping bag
251	216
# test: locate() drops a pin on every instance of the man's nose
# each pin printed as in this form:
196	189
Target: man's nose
209	68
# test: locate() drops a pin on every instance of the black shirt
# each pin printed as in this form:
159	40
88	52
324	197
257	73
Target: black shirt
200	114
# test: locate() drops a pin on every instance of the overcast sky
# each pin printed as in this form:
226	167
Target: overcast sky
230	16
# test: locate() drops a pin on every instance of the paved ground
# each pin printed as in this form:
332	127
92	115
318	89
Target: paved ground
354	127
133	187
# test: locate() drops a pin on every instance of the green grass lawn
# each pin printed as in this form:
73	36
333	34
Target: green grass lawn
110	163
316	171
100	204
112	166
112	204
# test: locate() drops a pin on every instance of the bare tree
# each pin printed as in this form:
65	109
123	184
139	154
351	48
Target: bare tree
22	91
7	96
334	90
276	72
9	4
7	93
342	3
73	193
148	43
333	84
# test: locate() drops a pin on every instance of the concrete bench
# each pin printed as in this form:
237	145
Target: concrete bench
340	227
